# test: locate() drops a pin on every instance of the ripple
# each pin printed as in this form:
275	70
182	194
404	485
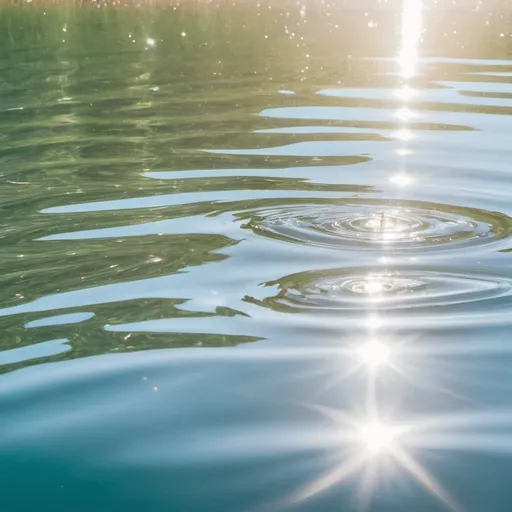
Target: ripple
372	225
368	288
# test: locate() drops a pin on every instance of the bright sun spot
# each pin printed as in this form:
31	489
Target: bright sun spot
401	179
405	114
404	135
403	152
374	353
374	286
411	35
377	437
405	93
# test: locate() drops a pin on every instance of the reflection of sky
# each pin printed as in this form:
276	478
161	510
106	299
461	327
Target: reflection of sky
447	92
476	121
36	351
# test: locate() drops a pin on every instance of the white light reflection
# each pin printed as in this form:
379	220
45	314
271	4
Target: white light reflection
401	179
374	354
405	93
403	134
373	286
408	60
368	443
373	321
378	437
405	114
411	35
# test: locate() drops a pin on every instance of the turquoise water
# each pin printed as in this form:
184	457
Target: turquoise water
255	256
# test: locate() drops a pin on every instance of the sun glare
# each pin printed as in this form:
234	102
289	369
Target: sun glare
411	35
405	93
378	437
373	286
405	114
374	353
401	179
403	134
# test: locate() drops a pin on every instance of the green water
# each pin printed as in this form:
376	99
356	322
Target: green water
255	256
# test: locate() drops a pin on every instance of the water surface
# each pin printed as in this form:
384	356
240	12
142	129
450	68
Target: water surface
255	256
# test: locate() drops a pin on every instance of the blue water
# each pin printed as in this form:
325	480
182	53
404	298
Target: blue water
255	257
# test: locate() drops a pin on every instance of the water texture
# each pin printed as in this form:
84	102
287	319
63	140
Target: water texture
256	256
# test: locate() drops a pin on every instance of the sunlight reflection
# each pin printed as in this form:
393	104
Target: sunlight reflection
401	179
408	60
374	353
411	35
374	322
403	152
404	134
405	114
373	286
405	93
368	442
378	437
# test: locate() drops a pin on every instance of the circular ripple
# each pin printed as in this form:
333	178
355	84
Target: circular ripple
374	225
361	288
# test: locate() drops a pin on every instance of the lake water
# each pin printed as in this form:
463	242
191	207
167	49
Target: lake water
255	256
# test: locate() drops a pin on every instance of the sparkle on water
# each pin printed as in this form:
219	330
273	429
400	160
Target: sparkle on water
378	437
374	353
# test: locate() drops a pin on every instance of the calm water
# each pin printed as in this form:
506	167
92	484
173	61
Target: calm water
255	257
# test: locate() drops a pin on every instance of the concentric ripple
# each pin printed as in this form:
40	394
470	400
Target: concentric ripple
368	288
374	224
